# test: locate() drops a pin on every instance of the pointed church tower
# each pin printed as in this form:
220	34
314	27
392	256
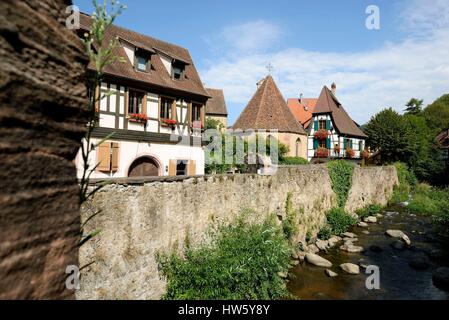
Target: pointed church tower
268	110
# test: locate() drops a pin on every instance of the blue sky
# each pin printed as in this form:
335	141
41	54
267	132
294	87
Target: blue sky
310	44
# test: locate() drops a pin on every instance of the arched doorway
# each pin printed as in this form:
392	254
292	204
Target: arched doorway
144	167
298	147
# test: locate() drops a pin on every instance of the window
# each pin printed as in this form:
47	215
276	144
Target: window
181	168
322	125
136	102
141	63
166	108
196	112
177	73
322	144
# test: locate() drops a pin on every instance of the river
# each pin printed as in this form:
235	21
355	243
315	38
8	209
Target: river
398	280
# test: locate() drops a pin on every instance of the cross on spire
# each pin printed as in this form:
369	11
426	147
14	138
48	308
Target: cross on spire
270	68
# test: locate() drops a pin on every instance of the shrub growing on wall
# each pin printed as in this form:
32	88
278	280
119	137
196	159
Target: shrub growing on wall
340	172
339	221
241	263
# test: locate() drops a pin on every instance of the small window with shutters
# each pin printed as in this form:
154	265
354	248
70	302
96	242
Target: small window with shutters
108	157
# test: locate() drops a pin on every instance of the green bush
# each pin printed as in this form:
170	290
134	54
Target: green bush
290	224
369	210
325	233
293	161
340	172
430	201
405	175
339	220
241	263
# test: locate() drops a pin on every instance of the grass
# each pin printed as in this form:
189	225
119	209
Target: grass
243	262
430	201
293	161
370	210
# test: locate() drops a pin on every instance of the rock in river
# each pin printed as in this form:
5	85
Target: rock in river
349	235
330	273
350	268
440	278
322	245
349	247
317	260
399	234
370	219
362	224
313	249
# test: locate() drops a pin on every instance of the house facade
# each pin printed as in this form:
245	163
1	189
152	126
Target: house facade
443	144
267	110
152	109
331	131
216	107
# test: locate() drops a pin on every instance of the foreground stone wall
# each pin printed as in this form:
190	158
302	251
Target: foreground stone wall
138	221
42	93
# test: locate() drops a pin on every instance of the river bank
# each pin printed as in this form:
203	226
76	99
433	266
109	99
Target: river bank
405	271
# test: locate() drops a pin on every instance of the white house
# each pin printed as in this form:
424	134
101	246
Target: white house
155	110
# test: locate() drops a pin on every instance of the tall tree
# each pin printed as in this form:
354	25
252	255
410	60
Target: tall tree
437	114
414	106
390	134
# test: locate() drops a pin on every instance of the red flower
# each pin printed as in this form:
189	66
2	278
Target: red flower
169	121
322	153
365	154
350	153
139	117
321	134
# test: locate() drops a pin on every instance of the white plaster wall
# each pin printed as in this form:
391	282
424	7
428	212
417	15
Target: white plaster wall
129	50
162	153
167	62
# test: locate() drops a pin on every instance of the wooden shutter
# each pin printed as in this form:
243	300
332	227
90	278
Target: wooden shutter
315	125
172	167
104	157
350	144
315	143
328	124
191	168
115	156
328	143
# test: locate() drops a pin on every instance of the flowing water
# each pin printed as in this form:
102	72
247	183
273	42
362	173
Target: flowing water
398	280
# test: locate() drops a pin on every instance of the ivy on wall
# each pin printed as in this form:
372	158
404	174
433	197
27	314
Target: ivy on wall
340	172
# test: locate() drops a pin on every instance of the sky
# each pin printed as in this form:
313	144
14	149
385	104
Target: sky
309	44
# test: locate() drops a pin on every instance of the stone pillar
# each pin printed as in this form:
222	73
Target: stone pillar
42	120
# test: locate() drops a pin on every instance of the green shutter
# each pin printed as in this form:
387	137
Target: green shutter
315	144
344	143
328	143
350	144
315	125
328	124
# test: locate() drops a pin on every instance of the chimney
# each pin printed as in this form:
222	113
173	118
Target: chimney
300	97
334	88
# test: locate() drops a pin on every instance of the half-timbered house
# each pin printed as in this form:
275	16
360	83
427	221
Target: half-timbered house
153	104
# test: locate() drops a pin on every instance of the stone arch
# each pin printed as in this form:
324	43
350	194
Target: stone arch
298	147
145	166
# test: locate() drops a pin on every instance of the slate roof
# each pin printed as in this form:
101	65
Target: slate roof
268	110
158	75
328	103
217	104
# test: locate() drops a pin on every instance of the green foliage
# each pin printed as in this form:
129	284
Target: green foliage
389	133
213	124
414	106
369	210
293	161
405	175
242	263
290	224
437	114
325	233
308	236
339	221
340	172
429	201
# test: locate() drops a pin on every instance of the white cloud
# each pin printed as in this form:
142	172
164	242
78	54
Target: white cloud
366	81
252	36
422	17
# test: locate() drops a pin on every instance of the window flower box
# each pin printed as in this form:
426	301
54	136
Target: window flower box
322	153
138	117
350	153
168	122
321	134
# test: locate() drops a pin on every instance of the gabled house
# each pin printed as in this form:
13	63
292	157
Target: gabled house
155	109
331	132
216	107
267	110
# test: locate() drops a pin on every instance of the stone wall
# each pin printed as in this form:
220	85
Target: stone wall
138	221
42	93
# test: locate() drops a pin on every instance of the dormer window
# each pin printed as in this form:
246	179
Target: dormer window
141	63
178	70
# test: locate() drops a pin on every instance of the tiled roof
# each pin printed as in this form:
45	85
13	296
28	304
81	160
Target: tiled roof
158	75
328	103
302	108
268	110
216	105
